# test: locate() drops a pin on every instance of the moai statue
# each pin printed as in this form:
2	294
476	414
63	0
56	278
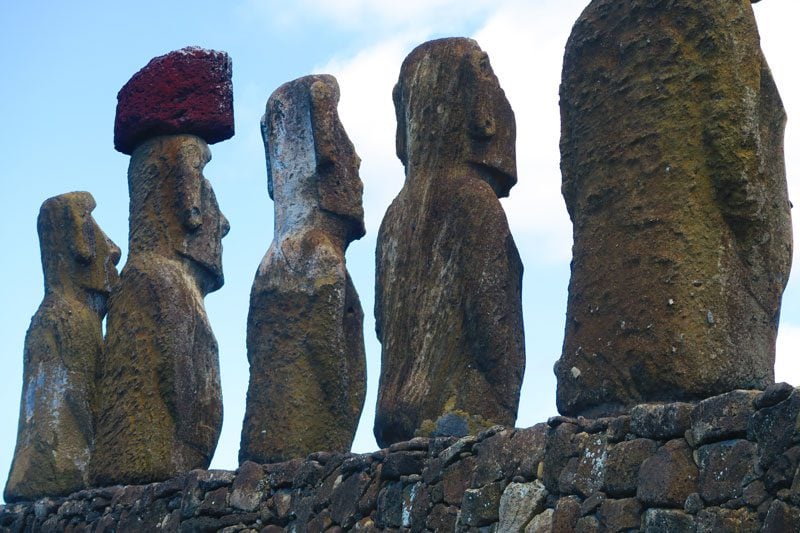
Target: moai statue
449	279
305	340
673	175
160	400
62	349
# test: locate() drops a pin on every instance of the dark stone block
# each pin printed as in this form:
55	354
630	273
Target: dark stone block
661	421
668	477
622	466
480	507
620	515
773	428
663	520
725	469
722	417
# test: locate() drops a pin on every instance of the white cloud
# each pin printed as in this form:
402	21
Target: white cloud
787	363
364	16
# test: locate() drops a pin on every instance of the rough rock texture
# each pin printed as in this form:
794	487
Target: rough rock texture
305	340
447	307
492	482
186	91
160	403
673	175
62	349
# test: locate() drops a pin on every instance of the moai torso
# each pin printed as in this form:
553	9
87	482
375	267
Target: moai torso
449	278
160	398
673	174
305	339
62	349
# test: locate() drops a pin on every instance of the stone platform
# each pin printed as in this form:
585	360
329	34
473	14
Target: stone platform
728	463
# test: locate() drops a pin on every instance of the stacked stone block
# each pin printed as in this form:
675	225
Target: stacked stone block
728	463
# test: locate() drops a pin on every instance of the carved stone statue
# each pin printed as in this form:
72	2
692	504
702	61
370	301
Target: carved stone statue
160	399
448	291
673	175
305	339
62	349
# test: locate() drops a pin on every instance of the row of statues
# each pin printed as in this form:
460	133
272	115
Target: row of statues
672	173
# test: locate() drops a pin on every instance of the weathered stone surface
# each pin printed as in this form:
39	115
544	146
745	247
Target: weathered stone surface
722	417
620	515
773	428
725	469
673	173
661	520
621	471
773	394
186	91
566	515
661	421
448	276
541	523
305	340
63	347
668	477
781	518
558	451
160	404
519	503
480	507
591	464
248	487
717	520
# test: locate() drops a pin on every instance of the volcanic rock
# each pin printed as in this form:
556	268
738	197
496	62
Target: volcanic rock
160	403
305	340
186	91
674	178
448	276
63	346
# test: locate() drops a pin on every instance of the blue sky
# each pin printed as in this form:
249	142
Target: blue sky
63	64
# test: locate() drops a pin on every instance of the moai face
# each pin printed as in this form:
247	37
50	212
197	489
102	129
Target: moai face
200	215
340	187
322	174
75	251
451	112
173	207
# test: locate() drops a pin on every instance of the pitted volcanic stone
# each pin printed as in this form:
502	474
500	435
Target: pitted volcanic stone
185	91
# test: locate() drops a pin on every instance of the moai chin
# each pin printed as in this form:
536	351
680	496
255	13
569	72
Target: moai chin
305	339
160	409
448	290
62	349
673	175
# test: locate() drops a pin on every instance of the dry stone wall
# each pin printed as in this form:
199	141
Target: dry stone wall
728	463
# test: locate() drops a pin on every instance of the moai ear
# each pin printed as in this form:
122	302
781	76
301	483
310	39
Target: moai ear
189	184
79	217
400	141
477	73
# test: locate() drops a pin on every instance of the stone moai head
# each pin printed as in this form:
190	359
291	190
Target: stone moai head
451	111
310	159
76	254
173	209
